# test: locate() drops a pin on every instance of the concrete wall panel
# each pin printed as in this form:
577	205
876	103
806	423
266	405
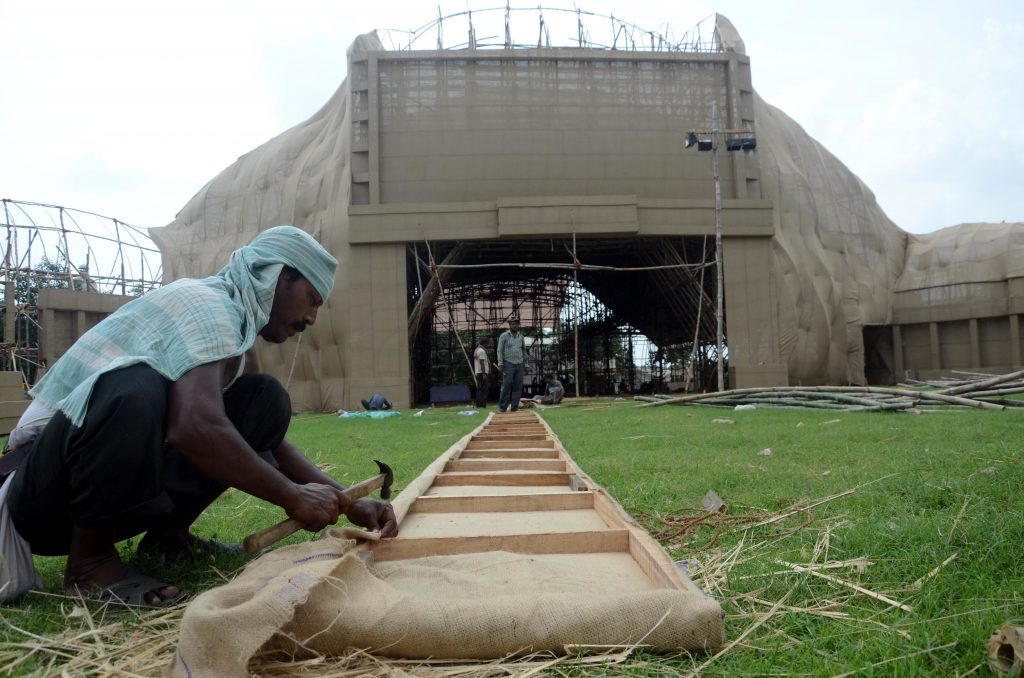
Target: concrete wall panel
68	314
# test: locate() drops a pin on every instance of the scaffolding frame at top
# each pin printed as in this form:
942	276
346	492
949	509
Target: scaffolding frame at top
51	246
585	30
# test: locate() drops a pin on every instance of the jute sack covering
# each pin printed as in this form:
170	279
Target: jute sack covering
317	597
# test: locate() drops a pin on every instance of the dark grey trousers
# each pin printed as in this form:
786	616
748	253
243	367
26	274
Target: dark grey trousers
511	387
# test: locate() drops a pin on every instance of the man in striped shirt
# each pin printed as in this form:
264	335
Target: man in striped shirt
162	406
511	362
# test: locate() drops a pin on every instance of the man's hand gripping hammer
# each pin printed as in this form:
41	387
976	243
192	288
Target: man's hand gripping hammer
258	541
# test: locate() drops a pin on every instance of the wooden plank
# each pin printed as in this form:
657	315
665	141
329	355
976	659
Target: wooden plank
662	572
649	555
560	501
500	523
595	541
485	465
510	454
525	440
531	452
510	435
513	426
510	445
541	478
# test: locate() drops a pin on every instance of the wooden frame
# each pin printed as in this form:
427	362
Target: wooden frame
520	451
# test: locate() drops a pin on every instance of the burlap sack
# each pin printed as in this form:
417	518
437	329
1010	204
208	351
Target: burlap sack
314	597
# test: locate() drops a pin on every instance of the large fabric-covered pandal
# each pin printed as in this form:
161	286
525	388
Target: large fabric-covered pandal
458	147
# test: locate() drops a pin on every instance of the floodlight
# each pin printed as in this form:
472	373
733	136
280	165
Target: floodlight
704	144
690	140
741	144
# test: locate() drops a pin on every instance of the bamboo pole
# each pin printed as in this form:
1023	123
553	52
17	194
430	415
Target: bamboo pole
720	305
984	383
581	266
576	315
997	392
451	319
849	584
10	313
1005	402
923	395
700	307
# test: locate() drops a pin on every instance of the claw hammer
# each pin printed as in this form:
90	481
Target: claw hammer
257	541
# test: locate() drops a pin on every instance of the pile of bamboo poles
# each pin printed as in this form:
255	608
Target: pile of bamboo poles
988	392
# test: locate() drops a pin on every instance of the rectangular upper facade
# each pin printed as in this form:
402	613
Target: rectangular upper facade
466	126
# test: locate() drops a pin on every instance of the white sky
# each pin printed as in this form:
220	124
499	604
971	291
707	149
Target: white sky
129	108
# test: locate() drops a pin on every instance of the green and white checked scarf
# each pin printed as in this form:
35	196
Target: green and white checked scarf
188	323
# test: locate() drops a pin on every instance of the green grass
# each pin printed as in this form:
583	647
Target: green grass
661	461
903	523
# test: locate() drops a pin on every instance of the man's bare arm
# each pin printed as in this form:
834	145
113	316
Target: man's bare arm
198	426
299	468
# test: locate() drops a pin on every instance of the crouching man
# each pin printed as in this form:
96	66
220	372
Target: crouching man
158	409
553	391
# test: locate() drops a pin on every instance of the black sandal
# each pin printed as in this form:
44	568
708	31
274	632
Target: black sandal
132	590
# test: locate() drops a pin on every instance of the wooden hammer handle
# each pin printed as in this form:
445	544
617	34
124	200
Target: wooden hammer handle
257	541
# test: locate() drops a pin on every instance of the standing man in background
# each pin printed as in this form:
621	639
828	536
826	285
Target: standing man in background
482	367
511	359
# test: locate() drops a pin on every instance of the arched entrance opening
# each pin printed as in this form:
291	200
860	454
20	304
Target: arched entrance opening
633	315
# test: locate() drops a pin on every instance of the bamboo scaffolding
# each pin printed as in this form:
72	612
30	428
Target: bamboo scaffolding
984	383
833	390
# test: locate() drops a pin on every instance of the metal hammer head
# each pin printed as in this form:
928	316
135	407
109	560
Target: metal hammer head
389	478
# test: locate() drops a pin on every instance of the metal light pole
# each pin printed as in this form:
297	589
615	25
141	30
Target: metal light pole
735	140
719	286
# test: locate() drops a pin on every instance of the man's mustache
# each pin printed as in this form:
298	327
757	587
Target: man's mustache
299	326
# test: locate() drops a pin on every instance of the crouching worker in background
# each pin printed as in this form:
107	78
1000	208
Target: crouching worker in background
553	391
158	409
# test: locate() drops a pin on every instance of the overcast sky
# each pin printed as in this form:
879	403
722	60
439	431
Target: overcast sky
129	108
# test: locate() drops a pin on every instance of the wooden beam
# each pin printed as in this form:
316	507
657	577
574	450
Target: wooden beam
510	454
517	479
548	501
511	432
504	437
594	541
649	555
511	445
487	465
529	452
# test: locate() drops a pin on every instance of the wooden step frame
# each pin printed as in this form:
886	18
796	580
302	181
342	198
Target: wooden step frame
509	467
